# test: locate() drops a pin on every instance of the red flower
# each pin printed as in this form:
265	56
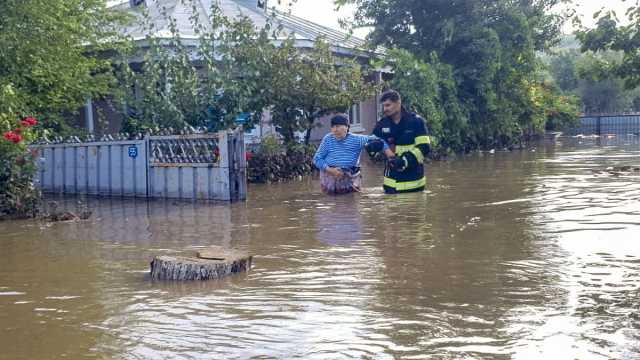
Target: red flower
13	137
18	130
248	155
216	151
29	121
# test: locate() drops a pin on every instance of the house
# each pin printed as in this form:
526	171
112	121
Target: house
363	116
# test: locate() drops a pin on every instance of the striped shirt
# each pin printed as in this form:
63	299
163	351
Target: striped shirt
343	153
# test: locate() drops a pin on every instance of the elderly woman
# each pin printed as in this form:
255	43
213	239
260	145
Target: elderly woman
338	157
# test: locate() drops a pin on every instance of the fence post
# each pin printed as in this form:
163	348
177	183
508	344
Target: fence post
237	166
599	125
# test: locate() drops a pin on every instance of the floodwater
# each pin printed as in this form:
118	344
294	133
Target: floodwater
510	255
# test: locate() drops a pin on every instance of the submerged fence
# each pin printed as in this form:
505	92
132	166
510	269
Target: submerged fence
195	166
607	124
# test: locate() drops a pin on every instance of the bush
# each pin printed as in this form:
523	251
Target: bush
18	196
273	162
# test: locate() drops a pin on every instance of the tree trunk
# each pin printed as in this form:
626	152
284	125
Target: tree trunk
307	136
204	267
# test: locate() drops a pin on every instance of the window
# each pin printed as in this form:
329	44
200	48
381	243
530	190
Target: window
355	119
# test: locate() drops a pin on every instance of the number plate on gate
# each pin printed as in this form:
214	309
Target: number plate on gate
133	151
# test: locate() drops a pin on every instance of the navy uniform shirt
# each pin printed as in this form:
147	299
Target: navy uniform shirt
404	133
401	137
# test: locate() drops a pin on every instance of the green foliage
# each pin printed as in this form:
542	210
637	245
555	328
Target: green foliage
50	55
428	88
610	35
564	71
485	51
581	74
304	86
50	63
242	69
18	197
599	92
552	109
273	162
173	90
270	145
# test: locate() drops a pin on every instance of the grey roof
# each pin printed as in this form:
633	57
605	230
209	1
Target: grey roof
305	32
305	29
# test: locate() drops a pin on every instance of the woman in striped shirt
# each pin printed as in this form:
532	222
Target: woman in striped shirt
338	157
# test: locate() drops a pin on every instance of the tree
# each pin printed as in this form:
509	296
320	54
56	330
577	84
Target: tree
50	63
600	93
200	85
579	74
491	48
609	34
428	88
237	69
564	70
423	26
50	55
552	109
305	86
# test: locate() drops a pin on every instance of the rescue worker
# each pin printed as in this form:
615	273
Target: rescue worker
409	143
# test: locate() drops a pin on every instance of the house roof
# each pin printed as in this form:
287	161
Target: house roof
304	31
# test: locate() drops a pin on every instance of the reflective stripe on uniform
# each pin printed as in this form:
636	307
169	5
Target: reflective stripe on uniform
407	185
401	149
423	139
418	154
389	182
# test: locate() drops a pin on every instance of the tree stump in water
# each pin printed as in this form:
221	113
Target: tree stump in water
212	263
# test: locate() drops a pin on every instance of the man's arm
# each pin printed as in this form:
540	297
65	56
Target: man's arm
423	138
422	141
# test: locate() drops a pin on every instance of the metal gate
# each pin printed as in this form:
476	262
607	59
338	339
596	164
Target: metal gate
623	124
195	166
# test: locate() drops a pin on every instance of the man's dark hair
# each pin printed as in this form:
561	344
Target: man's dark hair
390	95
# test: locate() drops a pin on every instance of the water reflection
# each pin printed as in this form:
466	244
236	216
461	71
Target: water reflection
338	221
522	255
594	221
443	251
43	310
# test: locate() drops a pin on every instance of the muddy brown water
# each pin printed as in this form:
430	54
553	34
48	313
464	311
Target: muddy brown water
511	255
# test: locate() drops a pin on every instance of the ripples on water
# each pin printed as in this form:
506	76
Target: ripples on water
509	255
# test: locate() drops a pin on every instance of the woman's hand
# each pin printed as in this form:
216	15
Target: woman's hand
334	171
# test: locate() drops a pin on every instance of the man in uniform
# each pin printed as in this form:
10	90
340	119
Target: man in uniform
409	143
